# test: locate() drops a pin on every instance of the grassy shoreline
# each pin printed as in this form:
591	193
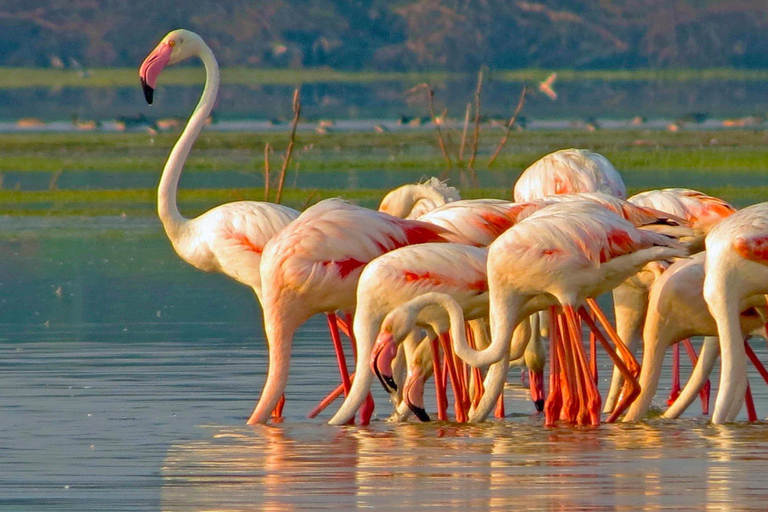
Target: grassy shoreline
729	164
15	78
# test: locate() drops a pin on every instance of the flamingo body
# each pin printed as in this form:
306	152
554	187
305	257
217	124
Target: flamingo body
313	266
569	171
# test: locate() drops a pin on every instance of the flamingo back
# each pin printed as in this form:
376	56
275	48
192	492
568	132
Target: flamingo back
569	171
701	210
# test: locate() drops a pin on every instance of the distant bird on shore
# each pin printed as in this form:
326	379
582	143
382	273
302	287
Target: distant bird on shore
546	86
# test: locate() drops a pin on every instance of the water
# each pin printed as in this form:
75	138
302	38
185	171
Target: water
127	377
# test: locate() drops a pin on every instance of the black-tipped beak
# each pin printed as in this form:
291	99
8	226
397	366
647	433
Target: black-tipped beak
148	91
419	412
388	381
539	404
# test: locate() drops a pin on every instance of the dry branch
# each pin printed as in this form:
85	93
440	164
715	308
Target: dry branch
289	151
476	135
266	171
510	124
440	141
464	132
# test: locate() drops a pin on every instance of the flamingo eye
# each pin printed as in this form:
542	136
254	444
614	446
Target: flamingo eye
171	43
388	328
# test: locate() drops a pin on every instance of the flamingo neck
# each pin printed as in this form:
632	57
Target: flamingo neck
501	329
167	208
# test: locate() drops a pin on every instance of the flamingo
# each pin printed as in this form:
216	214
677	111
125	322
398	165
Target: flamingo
564	254
229	238
397	277
677	310
736	268
415	199
702	212
313	266
568	171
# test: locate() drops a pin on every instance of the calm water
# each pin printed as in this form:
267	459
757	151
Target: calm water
126	379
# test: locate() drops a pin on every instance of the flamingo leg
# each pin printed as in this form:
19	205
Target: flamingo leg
755	361
340	359
554	400
442	406
631	387
593	354
704	392
750	403
277	413
328	400
675	391
458	391
571	402
499	412
591	397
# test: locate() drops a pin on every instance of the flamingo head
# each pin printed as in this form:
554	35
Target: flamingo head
383	353
176	46
413	389
537	388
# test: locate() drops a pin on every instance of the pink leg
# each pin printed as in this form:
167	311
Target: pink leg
458	391
674	392
590	399
705	389
554	400
499	412
756	362
571	397
442	406
277	414
328	400
750	403
340	359
629	370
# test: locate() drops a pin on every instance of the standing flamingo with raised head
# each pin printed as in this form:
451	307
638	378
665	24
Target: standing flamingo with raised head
313	266
736	268
565	254
229	238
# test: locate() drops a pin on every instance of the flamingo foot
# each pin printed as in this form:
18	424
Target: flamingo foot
366	411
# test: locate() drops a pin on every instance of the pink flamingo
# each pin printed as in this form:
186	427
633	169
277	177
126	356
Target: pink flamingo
676	311
415	199
564	254
229	238
396	278
702	212
568	171
313	266
736	268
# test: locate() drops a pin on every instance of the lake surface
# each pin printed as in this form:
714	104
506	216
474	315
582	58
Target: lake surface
127	376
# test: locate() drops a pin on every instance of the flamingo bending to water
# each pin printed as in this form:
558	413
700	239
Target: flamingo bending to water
568	171
736	268
313	266
702	212
677	310
563	254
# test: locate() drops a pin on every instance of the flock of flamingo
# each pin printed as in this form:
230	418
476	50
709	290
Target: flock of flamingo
460	290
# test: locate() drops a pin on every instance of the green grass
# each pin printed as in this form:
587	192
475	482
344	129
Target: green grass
729	164
15	78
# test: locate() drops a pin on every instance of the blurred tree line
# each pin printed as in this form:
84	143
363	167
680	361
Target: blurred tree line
457	35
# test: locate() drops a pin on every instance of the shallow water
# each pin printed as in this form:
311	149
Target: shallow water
127	376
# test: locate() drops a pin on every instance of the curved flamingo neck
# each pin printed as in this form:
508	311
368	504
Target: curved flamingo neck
501	329
167	208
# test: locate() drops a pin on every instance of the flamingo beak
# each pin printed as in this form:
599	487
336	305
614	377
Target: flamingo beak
413	392
152	66
382	355
537	388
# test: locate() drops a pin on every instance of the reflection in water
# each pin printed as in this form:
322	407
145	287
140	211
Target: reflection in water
686	465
